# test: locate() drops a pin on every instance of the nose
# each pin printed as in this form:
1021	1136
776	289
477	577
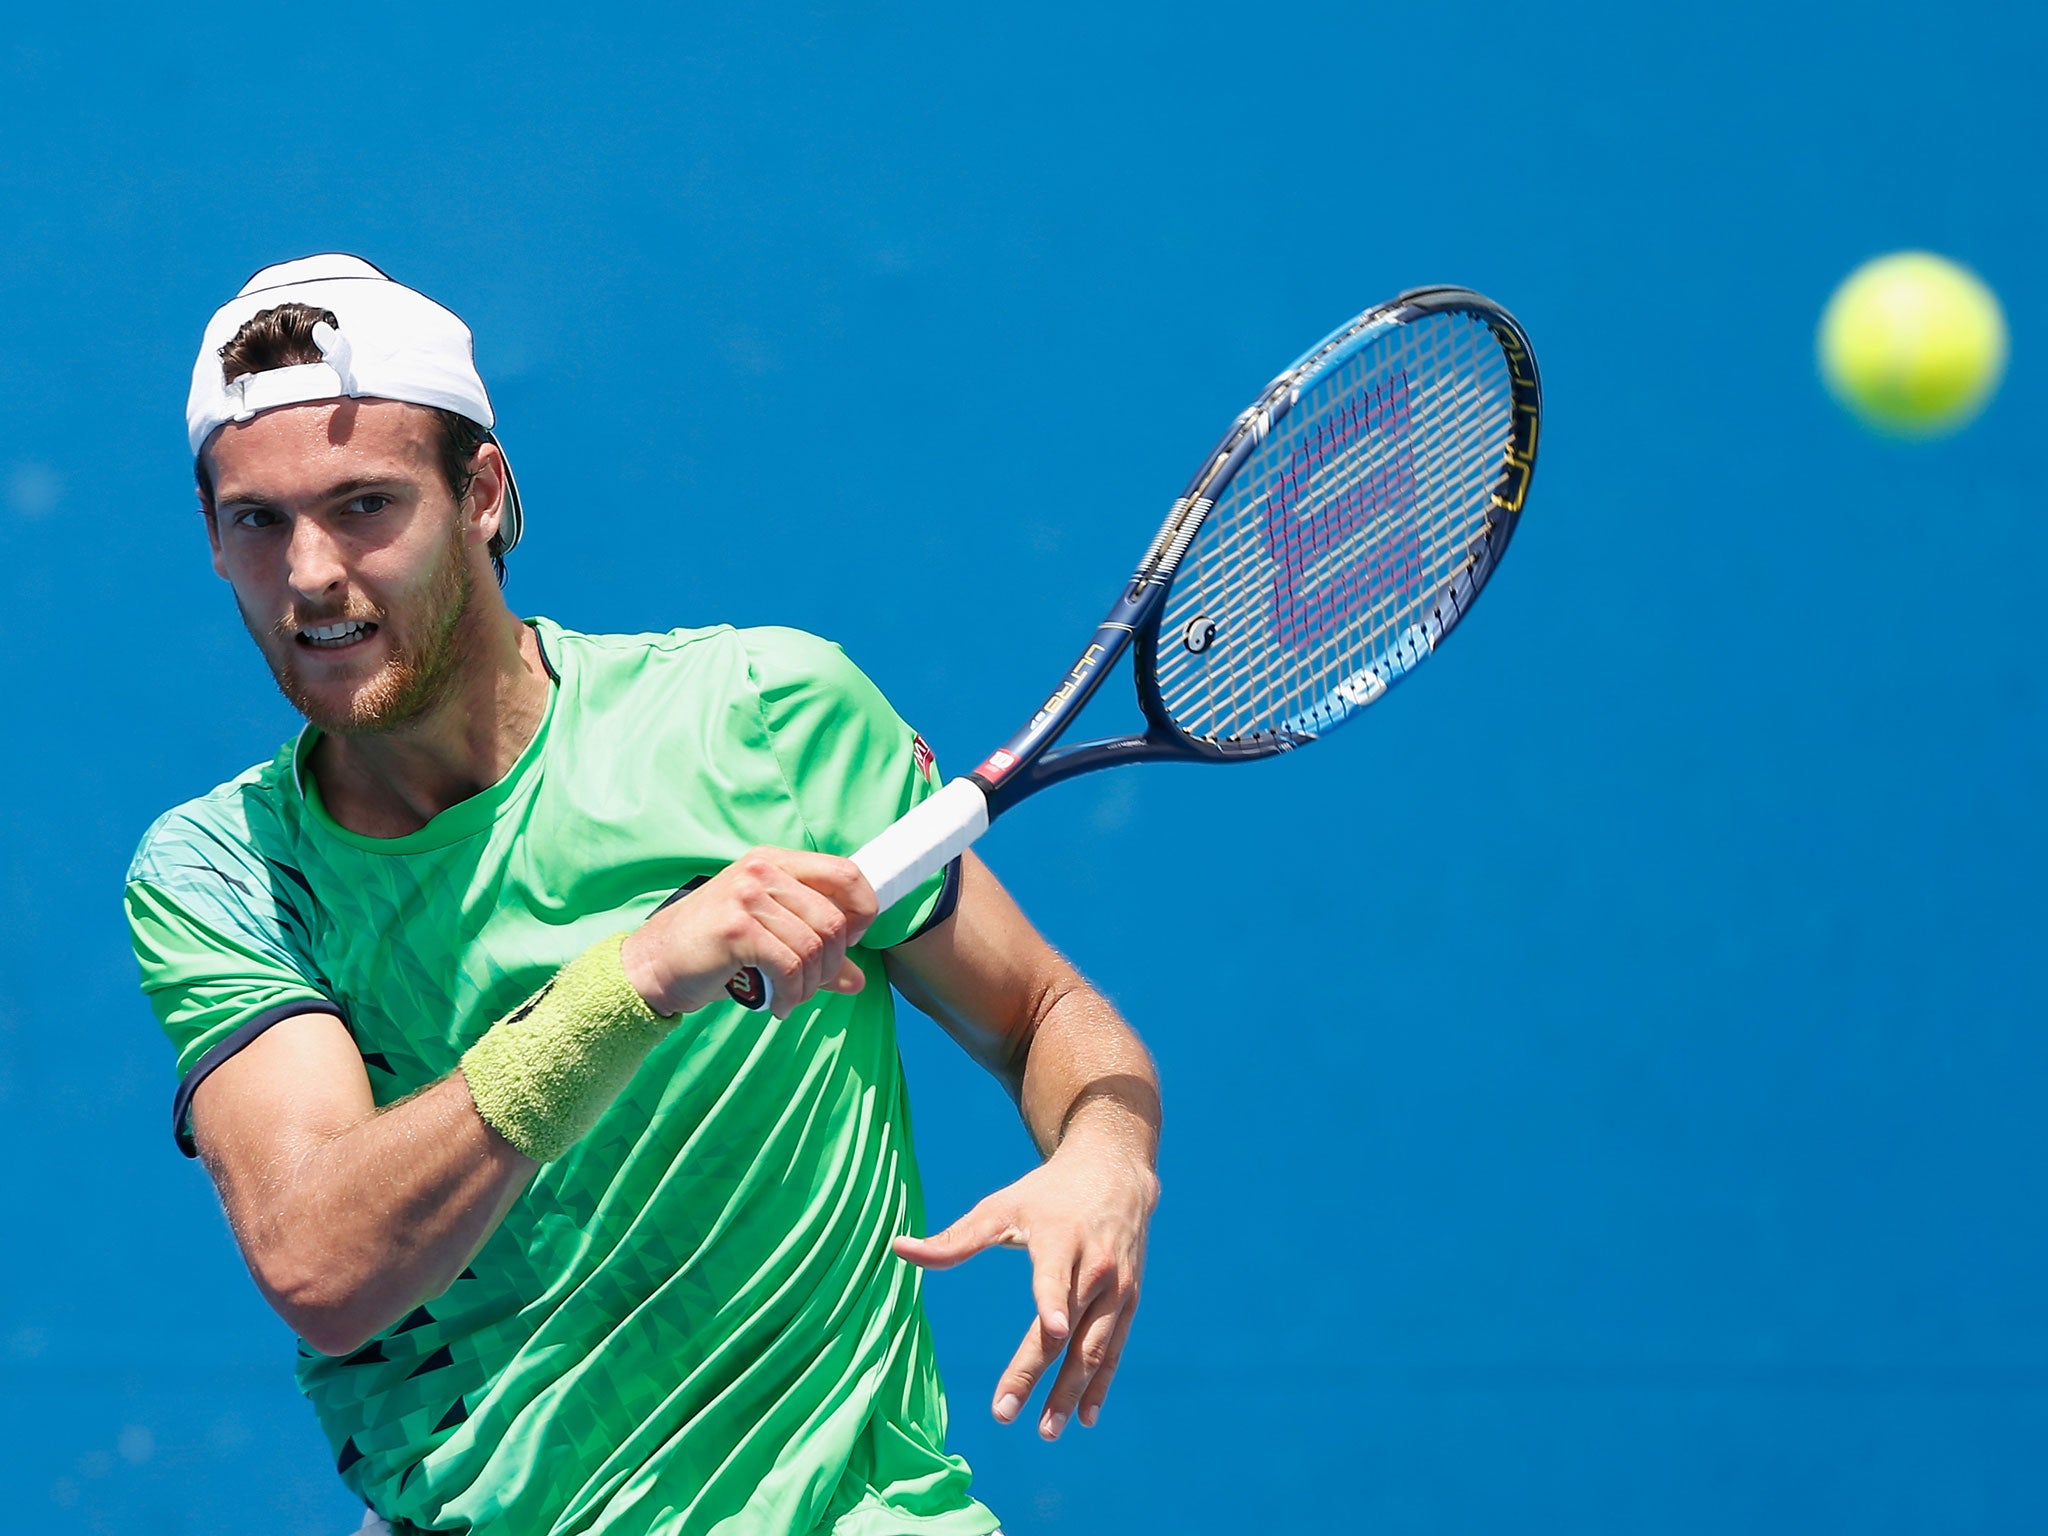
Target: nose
314	565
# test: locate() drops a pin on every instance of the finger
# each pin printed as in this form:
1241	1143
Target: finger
843	881
983	1227
793	949
1098	1385
1090	1276
837	879
1020	1376
762	932
1052	1283
824	918
1098	1293
851	978
1085	1354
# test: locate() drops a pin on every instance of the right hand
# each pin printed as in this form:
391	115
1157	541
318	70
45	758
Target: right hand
789	914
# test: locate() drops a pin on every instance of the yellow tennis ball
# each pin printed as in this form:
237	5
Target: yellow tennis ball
1913	343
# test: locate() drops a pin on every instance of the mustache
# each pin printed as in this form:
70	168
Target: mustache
288	626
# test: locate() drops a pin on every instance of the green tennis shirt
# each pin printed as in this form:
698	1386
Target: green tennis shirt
690	1322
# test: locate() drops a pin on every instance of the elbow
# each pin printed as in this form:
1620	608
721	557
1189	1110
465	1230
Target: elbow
330	1330
323	1307
330	1334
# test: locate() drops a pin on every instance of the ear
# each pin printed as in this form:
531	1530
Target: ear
486	506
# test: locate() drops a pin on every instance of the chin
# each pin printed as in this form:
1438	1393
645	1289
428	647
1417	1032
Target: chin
392	696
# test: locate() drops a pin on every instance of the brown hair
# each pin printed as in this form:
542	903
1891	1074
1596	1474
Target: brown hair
282	337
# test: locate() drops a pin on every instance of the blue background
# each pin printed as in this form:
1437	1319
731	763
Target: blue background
1603	1085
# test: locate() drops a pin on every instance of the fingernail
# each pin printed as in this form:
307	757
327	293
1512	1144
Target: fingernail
1090	1414
1054	1423
1057	1322
1007	1406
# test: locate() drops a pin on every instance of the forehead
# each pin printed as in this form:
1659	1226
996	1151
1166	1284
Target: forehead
298	448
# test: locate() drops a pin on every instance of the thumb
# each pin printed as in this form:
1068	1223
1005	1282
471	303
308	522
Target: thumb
983	1227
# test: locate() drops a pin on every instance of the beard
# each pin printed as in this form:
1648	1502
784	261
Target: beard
416	678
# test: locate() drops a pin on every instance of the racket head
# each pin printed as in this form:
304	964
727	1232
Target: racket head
1341	529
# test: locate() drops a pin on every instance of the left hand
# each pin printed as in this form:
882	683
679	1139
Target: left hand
1082	1216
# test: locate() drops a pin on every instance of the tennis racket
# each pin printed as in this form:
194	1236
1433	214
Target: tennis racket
1343	527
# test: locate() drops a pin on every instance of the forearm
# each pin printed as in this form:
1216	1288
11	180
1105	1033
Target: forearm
1014	1004
1087	1075
364	1224
349	1216
1089	1095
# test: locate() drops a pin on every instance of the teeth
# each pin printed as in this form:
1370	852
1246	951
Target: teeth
334	634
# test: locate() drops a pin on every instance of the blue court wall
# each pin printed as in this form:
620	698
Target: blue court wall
1603	1083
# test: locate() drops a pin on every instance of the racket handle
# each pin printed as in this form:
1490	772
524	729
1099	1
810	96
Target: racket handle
896	860
905	853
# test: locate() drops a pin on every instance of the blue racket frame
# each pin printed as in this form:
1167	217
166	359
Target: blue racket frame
1023	765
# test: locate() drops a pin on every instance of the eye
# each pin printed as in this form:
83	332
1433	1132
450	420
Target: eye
255	517
369	503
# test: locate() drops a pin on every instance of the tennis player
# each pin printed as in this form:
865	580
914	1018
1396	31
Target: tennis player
572	1241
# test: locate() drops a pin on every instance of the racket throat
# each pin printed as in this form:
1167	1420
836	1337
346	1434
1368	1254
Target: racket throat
1013	769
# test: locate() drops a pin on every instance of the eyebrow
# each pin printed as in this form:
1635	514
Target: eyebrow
339	491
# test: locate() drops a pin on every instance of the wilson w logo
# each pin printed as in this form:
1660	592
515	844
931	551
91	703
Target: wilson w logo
1341	527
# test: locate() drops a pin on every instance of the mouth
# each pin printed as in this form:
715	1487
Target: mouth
335	637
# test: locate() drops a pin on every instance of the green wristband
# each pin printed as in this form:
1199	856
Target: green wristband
542	1075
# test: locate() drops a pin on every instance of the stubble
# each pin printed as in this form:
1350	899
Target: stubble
410	684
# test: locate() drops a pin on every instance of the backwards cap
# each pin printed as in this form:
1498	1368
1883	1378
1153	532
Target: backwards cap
390	343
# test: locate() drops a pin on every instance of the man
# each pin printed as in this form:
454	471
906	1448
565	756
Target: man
573	1241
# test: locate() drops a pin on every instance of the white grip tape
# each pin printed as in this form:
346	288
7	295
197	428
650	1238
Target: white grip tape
908	850
923	842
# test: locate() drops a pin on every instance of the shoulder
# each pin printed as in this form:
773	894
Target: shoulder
770	644
222	865
563	646
781	658
241	822
800	676
597	666
771	662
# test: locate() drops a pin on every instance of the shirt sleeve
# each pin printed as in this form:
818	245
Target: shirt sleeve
219	956
852	765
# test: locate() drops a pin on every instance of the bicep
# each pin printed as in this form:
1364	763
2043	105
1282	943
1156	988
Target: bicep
300	1082
985	975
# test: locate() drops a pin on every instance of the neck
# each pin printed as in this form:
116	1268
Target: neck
393	784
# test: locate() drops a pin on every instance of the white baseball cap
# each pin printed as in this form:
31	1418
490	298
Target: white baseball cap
389	343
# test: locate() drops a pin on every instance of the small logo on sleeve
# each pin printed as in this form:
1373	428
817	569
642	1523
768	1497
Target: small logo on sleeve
926	764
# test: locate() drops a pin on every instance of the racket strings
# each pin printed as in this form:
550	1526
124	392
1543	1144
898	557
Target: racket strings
1354	609
1321	562
1406	544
